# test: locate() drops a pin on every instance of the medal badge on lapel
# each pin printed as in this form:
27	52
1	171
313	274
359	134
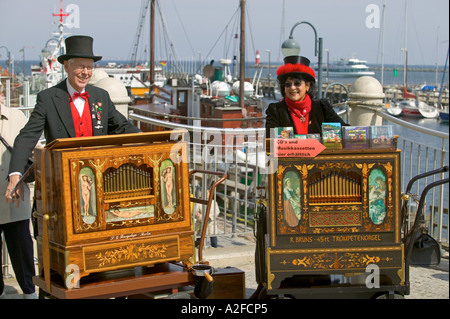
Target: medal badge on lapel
97	114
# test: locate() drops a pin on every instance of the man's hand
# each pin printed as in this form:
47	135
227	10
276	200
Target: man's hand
12	196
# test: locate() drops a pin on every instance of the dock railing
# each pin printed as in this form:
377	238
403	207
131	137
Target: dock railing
418	158
241	159
238	197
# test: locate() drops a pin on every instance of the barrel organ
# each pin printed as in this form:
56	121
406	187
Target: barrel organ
335	213
112	202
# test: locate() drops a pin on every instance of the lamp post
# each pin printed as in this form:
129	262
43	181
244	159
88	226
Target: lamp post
328	64
268	75
291	47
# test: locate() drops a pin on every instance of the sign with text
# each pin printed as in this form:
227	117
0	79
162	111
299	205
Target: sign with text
297	147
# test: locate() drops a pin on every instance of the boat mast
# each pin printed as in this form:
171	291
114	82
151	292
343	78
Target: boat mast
437	64
152	44
242	57
442	82
382	45
405	71
144	8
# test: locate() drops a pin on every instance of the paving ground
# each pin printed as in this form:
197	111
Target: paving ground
426	282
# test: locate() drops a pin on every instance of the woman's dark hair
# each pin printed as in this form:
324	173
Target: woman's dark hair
312	86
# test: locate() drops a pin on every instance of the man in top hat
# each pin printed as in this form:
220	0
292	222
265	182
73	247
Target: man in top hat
72	108
298	108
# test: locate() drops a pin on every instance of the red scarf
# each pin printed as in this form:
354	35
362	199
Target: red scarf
300	113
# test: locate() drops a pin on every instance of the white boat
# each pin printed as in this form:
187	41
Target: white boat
393	109
49	72
427	111
410	107
350	68
135	78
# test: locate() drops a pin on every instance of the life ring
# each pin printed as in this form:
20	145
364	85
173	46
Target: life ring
138	67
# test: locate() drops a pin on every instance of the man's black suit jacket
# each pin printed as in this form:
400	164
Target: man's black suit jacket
53	116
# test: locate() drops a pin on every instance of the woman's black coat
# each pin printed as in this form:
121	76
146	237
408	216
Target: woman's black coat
277	115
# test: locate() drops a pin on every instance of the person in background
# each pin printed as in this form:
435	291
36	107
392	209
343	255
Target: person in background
298	108
72	108
15	221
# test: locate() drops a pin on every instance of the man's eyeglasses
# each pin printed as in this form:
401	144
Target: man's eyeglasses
80	67
288	84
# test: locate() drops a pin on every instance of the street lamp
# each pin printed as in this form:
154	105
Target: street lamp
268	75
328	64
291	47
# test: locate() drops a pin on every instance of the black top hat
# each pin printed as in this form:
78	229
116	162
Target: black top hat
79	46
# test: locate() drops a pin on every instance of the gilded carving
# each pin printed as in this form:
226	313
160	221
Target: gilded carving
336	260
98	171
333	208
280	172
335	230
134	158
329	165
270	278
156	161
131	252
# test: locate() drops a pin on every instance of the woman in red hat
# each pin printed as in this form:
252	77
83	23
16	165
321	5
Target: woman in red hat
298	108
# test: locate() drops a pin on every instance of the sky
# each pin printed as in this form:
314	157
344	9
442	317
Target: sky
205	28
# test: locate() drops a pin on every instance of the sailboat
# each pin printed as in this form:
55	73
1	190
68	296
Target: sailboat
238	101
140	79
189	99
411	106
443	111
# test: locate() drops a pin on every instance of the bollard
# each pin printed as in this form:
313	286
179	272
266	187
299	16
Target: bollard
97	75
365	99
116	89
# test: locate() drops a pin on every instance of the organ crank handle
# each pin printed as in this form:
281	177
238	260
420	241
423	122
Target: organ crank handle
208	277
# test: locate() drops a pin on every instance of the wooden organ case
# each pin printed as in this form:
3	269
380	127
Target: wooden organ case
112	202
332	216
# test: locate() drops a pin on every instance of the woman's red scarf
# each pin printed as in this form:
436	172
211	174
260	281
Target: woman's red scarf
300	113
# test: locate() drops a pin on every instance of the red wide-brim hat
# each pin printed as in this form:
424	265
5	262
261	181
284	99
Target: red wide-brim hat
296	65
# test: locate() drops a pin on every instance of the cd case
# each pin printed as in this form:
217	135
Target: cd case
331	135
355	137
381	136
284	132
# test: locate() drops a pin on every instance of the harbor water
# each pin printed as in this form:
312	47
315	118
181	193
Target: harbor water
414	77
